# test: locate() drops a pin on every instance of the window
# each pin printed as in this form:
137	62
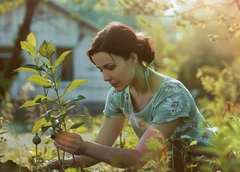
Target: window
5	55
67	64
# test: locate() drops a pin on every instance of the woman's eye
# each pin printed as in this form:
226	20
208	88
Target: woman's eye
107	68
111	67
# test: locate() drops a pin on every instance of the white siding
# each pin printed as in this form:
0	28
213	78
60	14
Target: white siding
52	24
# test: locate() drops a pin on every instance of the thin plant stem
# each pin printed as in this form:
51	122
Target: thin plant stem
184	162
59	158
172	155
36	157
120	140
16	137
75	164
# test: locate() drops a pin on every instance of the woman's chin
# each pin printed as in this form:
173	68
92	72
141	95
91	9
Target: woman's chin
119	89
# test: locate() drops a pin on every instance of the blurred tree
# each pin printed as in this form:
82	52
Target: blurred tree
16	61
184	12
175	15
189	25
202	53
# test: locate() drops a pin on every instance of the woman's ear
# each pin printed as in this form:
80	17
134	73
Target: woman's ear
134	58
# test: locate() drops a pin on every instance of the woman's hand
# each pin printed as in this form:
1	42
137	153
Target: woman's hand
69	142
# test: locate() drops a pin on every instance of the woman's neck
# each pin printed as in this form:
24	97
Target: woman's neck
139	83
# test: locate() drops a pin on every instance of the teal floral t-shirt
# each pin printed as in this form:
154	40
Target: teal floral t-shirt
172	101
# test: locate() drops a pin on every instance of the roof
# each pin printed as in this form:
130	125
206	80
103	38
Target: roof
95	18
84	20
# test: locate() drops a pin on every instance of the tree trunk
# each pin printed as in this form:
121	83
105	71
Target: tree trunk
16	60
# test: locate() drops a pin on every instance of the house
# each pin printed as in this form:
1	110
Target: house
53	23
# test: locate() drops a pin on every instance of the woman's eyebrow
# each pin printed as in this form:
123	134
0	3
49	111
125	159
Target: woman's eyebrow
112	58
104	66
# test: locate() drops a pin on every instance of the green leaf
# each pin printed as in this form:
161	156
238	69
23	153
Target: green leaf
74	84
61	58
40	80
32	39
58	81
28	47
46	75
44	129
70	108
39	124
32	66
29	68
193	143
25	69
76	125
42	97
36	101
46	49
29	103
80	97
48	115
47	65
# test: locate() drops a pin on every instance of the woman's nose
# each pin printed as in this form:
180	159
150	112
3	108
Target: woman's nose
106	76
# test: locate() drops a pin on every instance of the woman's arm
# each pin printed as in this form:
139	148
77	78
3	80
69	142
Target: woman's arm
121	157
101	150
107	135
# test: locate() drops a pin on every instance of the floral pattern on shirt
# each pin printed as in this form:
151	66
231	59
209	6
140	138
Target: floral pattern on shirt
172	101
174	87
174	105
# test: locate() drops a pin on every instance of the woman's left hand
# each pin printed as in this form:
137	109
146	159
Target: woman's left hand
70	142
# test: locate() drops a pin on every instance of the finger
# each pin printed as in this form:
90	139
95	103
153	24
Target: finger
64	134
53	136
68	140
65	148
67	134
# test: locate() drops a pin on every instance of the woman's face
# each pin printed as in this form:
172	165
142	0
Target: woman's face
117	71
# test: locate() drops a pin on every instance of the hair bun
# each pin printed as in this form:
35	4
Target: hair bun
145	50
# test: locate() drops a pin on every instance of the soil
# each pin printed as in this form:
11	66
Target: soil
10	166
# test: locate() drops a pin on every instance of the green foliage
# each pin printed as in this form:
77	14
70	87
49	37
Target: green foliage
44	74
156	161
6	6
222	111
2	131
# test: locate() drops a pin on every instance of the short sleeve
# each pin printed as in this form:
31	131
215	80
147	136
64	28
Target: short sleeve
112	107
175	103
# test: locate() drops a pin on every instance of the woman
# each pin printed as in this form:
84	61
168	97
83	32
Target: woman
157	106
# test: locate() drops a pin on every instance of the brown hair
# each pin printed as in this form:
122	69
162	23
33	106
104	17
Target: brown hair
120	39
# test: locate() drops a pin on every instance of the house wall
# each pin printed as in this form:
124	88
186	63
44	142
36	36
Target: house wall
53	24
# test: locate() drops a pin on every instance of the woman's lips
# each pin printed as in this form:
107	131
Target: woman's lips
114	84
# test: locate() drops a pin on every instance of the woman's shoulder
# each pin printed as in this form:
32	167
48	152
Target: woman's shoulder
172	83
169	86
160	81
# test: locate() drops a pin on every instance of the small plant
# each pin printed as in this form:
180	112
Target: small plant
159	161
45	74
181	149
3	124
